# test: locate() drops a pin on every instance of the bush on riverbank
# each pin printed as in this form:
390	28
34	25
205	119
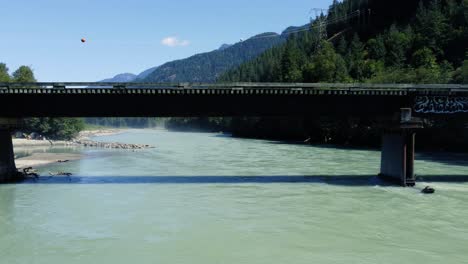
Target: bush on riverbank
124	122
55	128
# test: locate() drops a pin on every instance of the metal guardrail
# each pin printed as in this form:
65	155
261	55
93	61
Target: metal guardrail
233	89
237	85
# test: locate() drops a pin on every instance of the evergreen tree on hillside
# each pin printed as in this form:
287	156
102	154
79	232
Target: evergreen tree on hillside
464	72
355	59
326	66
4	76
290	64
424	57
461	74
342	47
397	45
376	48
432	28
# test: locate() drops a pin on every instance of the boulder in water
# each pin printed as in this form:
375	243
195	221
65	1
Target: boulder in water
428	190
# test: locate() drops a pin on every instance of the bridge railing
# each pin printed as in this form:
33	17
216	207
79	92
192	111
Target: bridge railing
237	86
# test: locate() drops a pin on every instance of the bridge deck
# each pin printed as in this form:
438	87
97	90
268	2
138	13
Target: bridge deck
231	88
228	99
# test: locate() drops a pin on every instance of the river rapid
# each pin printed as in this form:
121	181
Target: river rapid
208	198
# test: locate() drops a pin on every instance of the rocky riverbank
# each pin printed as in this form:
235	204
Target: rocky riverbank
35	159
83	135
84	140
110	145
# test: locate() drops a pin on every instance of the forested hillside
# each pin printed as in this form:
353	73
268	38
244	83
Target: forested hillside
208	67
409	41
123	77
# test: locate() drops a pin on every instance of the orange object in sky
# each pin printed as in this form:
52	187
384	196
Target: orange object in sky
83	40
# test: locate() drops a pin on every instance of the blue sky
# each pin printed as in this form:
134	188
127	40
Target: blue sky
131	35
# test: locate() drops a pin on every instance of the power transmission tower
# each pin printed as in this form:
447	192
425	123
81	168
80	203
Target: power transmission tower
321	21
318	11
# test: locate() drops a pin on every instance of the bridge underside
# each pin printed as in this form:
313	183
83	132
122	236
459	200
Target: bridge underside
134	105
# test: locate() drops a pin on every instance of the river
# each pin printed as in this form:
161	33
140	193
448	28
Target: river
208	198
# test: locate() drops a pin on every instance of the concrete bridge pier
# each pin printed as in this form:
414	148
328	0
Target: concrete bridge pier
397	162
398	150
8	169
7	157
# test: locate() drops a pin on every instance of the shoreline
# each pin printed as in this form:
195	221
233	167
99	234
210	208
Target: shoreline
42	159
38	160
83	135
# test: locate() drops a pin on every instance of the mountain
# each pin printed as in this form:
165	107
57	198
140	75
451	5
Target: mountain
224	46
145	73
130	77
124	77
207	67
293	29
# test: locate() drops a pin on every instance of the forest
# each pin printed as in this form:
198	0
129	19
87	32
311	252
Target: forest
426	43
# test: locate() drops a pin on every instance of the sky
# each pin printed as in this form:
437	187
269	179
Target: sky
131	35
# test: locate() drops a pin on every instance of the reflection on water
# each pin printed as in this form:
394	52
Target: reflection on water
201	198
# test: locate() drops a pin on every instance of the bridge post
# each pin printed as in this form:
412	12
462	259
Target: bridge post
8	169
398	146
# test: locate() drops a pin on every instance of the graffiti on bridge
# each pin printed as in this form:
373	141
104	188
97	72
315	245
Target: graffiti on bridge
441	105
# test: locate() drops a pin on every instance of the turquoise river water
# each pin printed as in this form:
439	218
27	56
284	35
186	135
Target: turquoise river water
207	198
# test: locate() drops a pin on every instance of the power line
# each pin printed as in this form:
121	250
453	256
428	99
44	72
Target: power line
327	22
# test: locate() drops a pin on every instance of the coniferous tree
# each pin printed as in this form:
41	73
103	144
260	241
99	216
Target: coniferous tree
356	58
4	76
397	44
290	65
431	27
326	66
376	48
342	47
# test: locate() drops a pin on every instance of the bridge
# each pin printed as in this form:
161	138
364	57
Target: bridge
398	105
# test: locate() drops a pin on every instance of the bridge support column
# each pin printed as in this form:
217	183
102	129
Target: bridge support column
7	157
8	170
398	146
398	157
